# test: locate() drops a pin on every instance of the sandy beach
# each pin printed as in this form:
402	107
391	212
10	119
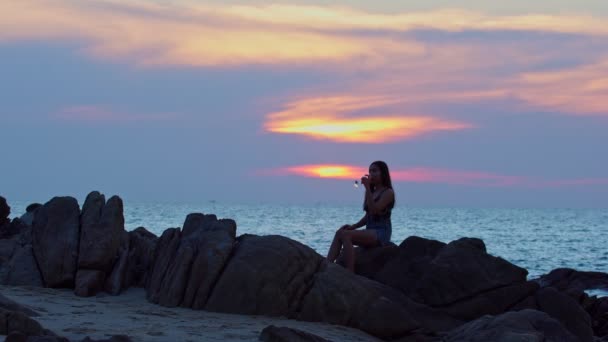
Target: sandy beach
131	314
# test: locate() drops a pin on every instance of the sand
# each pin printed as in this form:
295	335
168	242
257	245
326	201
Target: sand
131	314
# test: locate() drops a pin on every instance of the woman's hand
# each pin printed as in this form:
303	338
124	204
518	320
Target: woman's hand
347	227
365	181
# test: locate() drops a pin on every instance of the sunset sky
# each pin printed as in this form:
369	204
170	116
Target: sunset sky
471	103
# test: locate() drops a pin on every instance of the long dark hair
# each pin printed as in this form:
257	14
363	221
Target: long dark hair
385	175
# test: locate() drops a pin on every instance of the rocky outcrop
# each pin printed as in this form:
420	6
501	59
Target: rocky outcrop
188	262
17	321
56	234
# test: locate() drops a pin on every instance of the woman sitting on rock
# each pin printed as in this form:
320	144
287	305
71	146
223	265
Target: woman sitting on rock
378	203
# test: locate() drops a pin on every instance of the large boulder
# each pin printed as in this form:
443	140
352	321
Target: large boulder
101	227
141	254
55	241
188	262
266	275
524	326
12	228
338	296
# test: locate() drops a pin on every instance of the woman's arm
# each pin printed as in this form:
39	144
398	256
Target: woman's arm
362	222
378	207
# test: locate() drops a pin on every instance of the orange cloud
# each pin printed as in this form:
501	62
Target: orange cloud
198	34
335	119
332	171
433	175
578	90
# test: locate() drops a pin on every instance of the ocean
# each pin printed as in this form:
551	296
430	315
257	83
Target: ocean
539	240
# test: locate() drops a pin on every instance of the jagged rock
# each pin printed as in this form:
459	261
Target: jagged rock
88	282
55	241
526	325
283	334
141	254
187	263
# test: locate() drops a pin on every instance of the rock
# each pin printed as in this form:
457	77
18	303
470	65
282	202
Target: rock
526	325
141	254
163	256
187	263
55	241
569	280
5	211
12	228
116	282
492	302
18	265
338	296
88	282
10	305
439	275
283	334
101	229
16	321
266	275
566	311
30	212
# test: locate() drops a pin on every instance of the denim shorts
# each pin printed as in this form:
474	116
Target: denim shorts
383	233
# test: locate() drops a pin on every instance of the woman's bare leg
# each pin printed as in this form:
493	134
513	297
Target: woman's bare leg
336	245
364	238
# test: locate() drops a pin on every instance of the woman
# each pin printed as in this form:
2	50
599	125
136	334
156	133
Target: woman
378	203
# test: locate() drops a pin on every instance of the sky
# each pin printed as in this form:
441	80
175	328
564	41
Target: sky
471	103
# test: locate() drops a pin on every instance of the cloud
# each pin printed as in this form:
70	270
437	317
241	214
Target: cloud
195	34
103	115
372	54
334	118
432	175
